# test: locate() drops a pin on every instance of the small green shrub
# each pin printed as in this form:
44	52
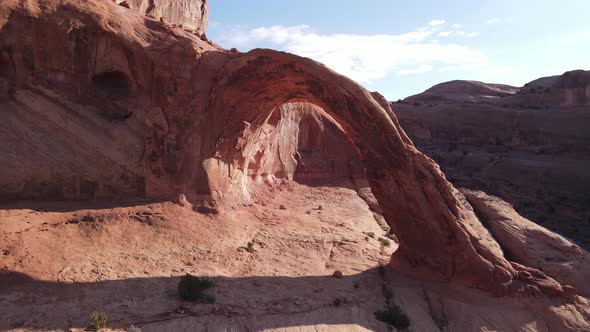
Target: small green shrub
394	316
191	288
98	320
250	247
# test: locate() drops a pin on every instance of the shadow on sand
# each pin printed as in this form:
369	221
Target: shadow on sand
245	303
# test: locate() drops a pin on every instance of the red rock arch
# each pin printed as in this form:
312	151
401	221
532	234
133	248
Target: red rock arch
440	237
192	89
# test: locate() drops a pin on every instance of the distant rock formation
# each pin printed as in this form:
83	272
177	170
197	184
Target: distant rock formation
461	91
528	145
572	89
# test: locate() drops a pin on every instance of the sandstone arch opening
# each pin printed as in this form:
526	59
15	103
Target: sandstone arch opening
301	142
439	236
302	146
325	155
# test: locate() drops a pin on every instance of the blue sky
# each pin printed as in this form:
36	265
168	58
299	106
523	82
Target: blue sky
400	48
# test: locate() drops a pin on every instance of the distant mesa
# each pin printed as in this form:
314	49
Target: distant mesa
571	89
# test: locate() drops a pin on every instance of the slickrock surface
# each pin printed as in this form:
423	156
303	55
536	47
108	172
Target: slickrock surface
532	245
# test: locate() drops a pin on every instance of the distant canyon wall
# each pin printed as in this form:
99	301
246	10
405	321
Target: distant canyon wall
531	146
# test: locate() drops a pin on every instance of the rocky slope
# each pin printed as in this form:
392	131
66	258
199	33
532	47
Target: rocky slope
529	146
532	245
110	108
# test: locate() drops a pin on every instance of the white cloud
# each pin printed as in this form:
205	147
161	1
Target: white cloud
459	33
457	26
466	34
435	23
463	67
497	71
364	58
493	20
418	70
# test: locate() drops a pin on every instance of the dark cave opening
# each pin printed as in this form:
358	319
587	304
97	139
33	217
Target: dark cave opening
114	83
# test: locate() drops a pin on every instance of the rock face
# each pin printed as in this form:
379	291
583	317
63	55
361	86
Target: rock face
532	245
191	113
568	90
191	14
300	141
85	86
536	159
324	150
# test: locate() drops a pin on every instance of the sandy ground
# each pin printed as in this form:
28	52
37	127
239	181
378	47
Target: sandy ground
60	262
